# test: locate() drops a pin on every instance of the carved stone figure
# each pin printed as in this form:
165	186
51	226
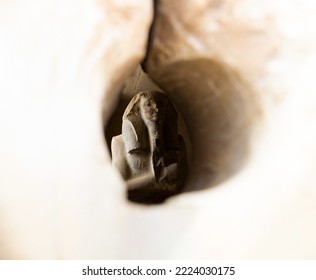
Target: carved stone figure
149	153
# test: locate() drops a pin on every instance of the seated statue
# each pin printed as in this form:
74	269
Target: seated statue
149	153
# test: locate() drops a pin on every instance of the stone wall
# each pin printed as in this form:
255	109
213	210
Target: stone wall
240	72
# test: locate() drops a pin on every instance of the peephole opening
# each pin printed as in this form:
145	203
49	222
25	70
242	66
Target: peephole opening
149	141
188	131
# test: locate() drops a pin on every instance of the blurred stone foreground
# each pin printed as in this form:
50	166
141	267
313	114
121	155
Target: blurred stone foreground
242	75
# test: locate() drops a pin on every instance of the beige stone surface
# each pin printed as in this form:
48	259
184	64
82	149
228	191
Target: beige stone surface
62	64
241	71
249	65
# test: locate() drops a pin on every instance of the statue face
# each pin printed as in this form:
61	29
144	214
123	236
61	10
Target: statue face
152	109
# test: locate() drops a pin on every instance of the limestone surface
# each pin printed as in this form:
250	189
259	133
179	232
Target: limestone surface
241	72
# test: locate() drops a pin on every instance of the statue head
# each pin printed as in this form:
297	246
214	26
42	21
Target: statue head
149	108
153	108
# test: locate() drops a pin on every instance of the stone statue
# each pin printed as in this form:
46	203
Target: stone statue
149	153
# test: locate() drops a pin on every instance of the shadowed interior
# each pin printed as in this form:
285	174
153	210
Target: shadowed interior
218	109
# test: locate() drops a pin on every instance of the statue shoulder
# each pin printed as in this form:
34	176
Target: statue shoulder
119	155
134	134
